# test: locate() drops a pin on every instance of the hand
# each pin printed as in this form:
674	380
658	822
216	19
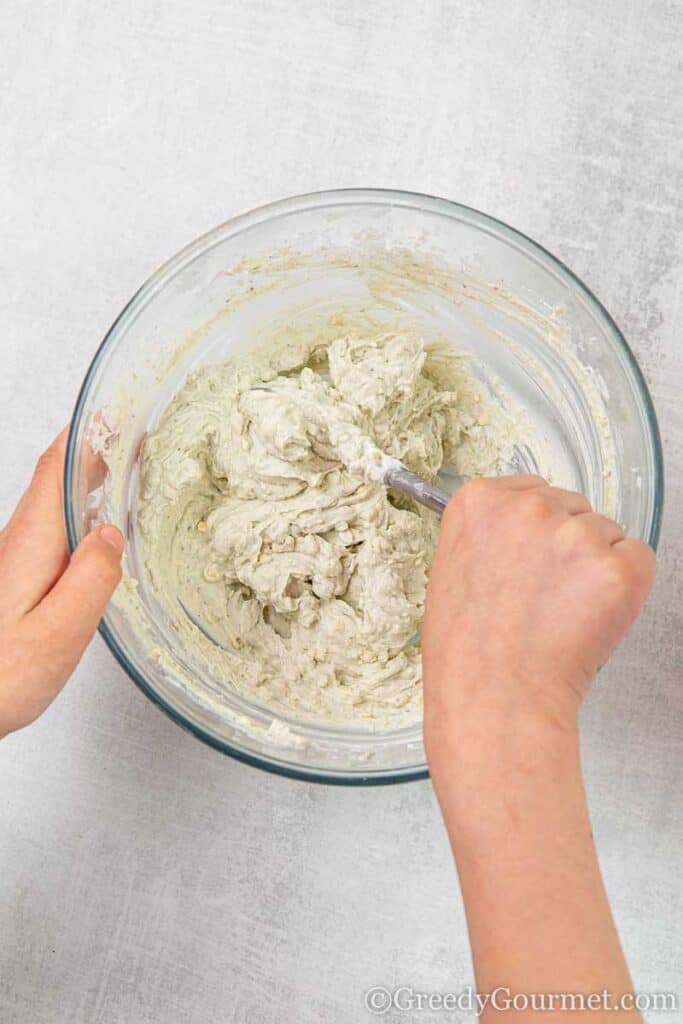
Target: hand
50	603
529	593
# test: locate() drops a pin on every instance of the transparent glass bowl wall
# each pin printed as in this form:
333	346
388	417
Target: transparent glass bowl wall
188	295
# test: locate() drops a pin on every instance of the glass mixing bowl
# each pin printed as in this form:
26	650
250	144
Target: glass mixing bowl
527	321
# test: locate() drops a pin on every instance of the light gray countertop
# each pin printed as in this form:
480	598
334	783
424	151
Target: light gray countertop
143	877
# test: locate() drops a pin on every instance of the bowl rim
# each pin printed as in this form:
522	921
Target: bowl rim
298	203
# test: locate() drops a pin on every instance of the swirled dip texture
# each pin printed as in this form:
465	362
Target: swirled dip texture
261	514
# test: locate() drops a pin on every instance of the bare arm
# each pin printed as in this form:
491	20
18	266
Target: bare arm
529	594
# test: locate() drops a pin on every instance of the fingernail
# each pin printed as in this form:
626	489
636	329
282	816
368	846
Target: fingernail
112	536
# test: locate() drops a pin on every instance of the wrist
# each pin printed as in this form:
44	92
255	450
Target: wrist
507	783
477	746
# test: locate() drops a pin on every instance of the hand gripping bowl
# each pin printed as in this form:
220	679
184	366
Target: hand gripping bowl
527	322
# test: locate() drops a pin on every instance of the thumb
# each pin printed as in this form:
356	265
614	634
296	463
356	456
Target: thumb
68	615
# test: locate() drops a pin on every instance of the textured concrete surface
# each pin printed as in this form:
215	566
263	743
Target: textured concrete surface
144	878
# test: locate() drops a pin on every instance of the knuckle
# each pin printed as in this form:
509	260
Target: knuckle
453	519
581	502
644	562
535	505
45	463
52	459
101	564
582	533
452	510
475	489
616	528
535	480
108	566
469	494
116	571
645	555
617	576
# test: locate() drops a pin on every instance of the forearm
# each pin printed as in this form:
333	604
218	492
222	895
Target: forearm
513	800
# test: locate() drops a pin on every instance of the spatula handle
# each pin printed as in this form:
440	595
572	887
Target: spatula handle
414	486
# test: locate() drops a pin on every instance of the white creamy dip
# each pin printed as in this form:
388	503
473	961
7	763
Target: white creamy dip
260	512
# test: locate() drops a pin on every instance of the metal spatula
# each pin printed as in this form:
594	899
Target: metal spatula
414	486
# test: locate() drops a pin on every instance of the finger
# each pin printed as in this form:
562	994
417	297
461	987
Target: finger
57	446
481	486
602	526
34	551
516	482
589	531
67	617
571	501
641	560
49	641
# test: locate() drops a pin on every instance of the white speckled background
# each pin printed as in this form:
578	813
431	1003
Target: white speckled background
144	878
